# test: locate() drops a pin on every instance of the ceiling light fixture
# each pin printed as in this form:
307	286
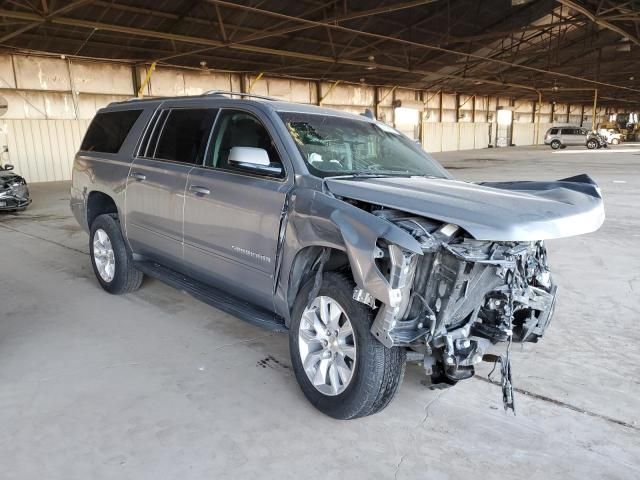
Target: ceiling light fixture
371	59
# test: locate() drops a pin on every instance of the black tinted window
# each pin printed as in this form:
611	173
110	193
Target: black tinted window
568	131
241	129
184	135
148	145
553	131
108	131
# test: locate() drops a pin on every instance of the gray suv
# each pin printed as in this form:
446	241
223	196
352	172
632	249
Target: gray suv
332	226
561	137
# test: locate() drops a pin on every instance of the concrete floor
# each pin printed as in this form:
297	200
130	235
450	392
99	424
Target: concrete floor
157	385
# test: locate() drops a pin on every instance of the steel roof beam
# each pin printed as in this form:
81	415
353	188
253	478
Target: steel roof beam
47	17
418	45
247	48
263	34
307	56
599	20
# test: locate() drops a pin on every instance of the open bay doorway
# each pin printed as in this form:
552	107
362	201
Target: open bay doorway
504	127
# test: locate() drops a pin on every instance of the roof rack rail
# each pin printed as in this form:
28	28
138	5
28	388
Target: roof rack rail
239	94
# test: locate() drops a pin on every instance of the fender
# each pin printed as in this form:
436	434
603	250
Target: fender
86	169
317	219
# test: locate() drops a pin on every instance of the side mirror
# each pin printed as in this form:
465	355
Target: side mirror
250	156
8	166
256	159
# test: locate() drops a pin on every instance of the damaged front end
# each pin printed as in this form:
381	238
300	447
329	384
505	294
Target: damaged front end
14	193
459	297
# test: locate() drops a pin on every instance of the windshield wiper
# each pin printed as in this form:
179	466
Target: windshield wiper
369	175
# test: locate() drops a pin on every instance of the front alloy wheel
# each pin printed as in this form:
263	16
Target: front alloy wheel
341	368
326	346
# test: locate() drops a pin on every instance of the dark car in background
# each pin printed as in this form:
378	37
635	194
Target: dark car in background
14	193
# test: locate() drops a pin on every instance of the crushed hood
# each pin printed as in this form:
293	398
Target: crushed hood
500	211
7	177
7	174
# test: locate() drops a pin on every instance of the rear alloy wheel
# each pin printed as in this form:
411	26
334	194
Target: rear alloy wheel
592	144
111	260
556	144
103	255
341	368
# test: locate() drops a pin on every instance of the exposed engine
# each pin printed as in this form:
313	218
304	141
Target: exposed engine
460	296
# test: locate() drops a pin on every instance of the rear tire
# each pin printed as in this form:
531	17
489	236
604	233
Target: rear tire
110	258
555	144
592	144
376	372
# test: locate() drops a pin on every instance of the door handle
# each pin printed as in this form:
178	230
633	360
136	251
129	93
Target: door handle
199	190
138	176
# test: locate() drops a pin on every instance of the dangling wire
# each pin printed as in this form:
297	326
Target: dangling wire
505	360
505	382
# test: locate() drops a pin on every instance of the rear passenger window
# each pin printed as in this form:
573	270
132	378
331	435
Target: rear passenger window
567	131
150	140
184	135
108	130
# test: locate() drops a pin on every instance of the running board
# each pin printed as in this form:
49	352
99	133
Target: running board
214	297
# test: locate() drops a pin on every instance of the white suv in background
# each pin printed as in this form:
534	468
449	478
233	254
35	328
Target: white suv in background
611	135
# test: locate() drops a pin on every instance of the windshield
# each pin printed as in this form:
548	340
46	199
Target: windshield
335	146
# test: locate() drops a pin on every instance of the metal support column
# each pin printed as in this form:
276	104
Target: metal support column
146	80
595	104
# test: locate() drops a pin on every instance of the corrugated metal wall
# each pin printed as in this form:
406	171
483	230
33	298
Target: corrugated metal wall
42	150
524	133
51	100
447	136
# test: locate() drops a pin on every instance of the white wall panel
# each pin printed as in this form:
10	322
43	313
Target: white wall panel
432	138
41	73
104	78
523	133
24	104
43	150
89	104
7	79
481	135
467	136
450	136
166	83
196	83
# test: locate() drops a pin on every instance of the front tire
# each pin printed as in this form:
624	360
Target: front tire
615	141
556	144
341	368
111	261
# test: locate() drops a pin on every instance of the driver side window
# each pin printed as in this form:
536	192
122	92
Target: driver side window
236	128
